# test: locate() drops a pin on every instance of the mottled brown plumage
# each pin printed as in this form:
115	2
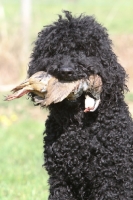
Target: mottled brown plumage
37	84
48	89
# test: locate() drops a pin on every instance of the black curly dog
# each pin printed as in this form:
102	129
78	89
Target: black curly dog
88	156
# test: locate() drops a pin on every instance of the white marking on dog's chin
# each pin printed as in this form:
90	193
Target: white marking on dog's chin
91	104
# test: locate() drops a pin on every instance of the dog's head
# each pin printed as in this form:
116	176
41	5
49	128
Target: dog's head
73	48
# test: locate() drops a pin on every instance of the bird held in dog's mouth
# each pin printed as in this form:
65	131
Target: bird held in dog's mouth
48	89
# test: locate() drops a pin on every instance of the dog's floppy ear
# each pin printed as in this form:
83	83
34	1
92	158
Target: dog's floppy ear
114	82
113	75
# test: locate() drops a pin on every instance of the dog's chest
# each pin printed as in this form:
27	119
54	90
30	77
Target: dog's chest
72	152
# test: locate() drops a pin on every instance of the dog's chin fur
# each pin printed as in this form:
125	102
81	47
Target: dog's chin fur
87	155
67	104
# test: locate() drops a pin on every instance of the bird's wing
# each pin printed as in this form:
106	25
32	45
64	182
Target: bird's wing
58	91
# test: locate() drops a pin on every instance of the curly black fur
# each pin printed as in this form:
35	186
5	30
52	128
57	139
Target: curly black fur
88	156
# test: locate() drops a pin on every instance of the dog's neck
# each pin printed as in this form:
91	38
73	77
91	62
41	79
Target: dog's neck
72	116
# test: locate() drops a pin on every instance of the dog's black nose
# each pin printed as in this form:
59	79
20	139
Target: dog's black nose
66	71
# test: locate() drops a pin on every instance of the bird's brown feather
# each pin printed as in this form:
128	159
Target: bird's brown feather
57	91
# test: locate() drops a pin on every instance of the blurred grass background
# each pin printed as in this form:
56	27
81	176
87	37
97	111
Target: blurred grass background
21	124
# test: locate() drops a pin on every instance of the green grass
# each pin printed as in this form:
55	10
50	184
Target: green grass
21	150
21	145
129	97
